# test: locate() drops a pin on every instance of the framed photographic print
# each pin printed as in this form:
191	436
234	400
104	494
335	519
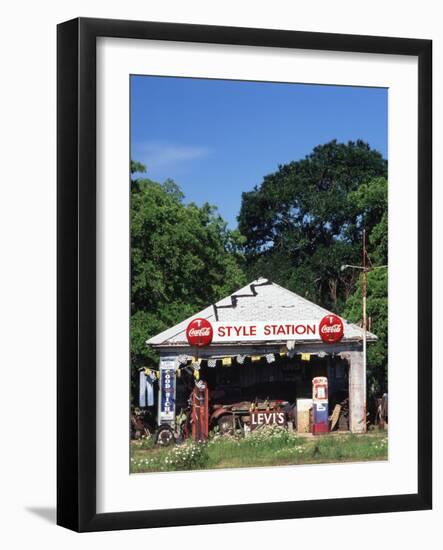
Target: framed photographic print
244	274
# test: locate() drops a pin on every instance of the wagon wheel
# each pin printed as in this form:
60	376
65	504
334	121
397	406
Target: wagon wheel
226	424
164	435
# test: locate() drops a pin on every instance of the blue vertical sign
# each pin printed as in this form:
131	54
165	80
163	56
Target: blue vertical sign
167	393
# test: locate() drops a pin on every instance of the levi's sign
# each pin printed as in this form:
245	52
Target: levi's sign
268	418
201	332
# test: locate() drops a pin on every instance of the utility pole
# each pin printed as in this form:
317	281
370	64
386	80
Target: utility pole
364	269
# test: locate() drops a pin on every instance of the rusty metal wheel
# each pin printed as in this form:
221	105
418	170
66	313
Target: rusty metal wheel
164	435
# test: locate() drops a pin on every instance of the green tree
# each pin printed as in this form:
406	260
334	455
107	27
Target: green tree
304	221
372	199
377	314
183	258
137	167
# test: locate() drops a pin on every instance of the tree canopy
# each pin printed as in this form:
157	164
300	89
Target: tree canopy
183	257
305	220
372	199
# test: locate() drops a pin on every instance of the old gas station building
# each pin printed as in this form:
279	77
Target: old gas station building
267	341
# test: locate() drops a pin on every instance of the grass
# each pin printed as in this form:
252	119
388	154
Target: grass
267	447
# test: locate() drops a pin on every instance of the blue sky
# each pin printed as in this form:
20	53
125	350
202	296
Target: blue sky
218	138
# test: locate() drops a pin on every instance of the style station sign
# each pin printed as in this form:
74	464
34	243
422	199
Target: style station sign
200	332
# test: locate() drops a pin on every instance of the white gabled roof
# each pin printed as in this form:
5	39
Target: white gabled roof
261	300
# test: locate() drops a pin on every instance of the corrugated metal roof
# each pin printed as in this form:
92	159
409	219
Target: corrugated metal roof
261	300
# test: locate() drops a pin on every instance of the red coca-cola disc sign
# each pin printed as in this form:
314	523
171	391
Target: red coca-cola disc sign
331	329
199	333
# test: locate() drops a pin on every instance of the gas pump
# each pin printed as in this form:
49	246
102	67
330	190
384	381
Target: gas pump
200	411
320	423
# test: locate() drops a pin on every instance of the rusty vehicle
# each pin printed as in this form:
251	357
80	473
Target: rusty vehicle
229	417
225	418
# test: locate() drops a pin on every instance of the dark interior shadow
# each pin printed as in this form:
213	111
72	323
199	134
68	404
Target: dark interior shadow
48	514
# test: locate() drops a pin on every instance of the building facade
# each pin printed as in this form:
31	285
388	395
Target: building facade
268	340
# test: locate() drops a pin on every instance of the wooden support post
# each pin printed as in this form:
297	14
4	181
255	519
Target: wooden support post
331	375
357	392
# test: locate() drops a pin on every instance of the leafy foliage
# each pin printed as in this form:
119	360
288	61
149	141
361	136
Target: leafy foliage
305	220
137	167
183	257
377	314
372	199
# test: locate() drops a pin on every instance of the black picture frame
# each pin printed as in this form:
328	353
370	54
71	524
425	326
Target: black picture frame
76	267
